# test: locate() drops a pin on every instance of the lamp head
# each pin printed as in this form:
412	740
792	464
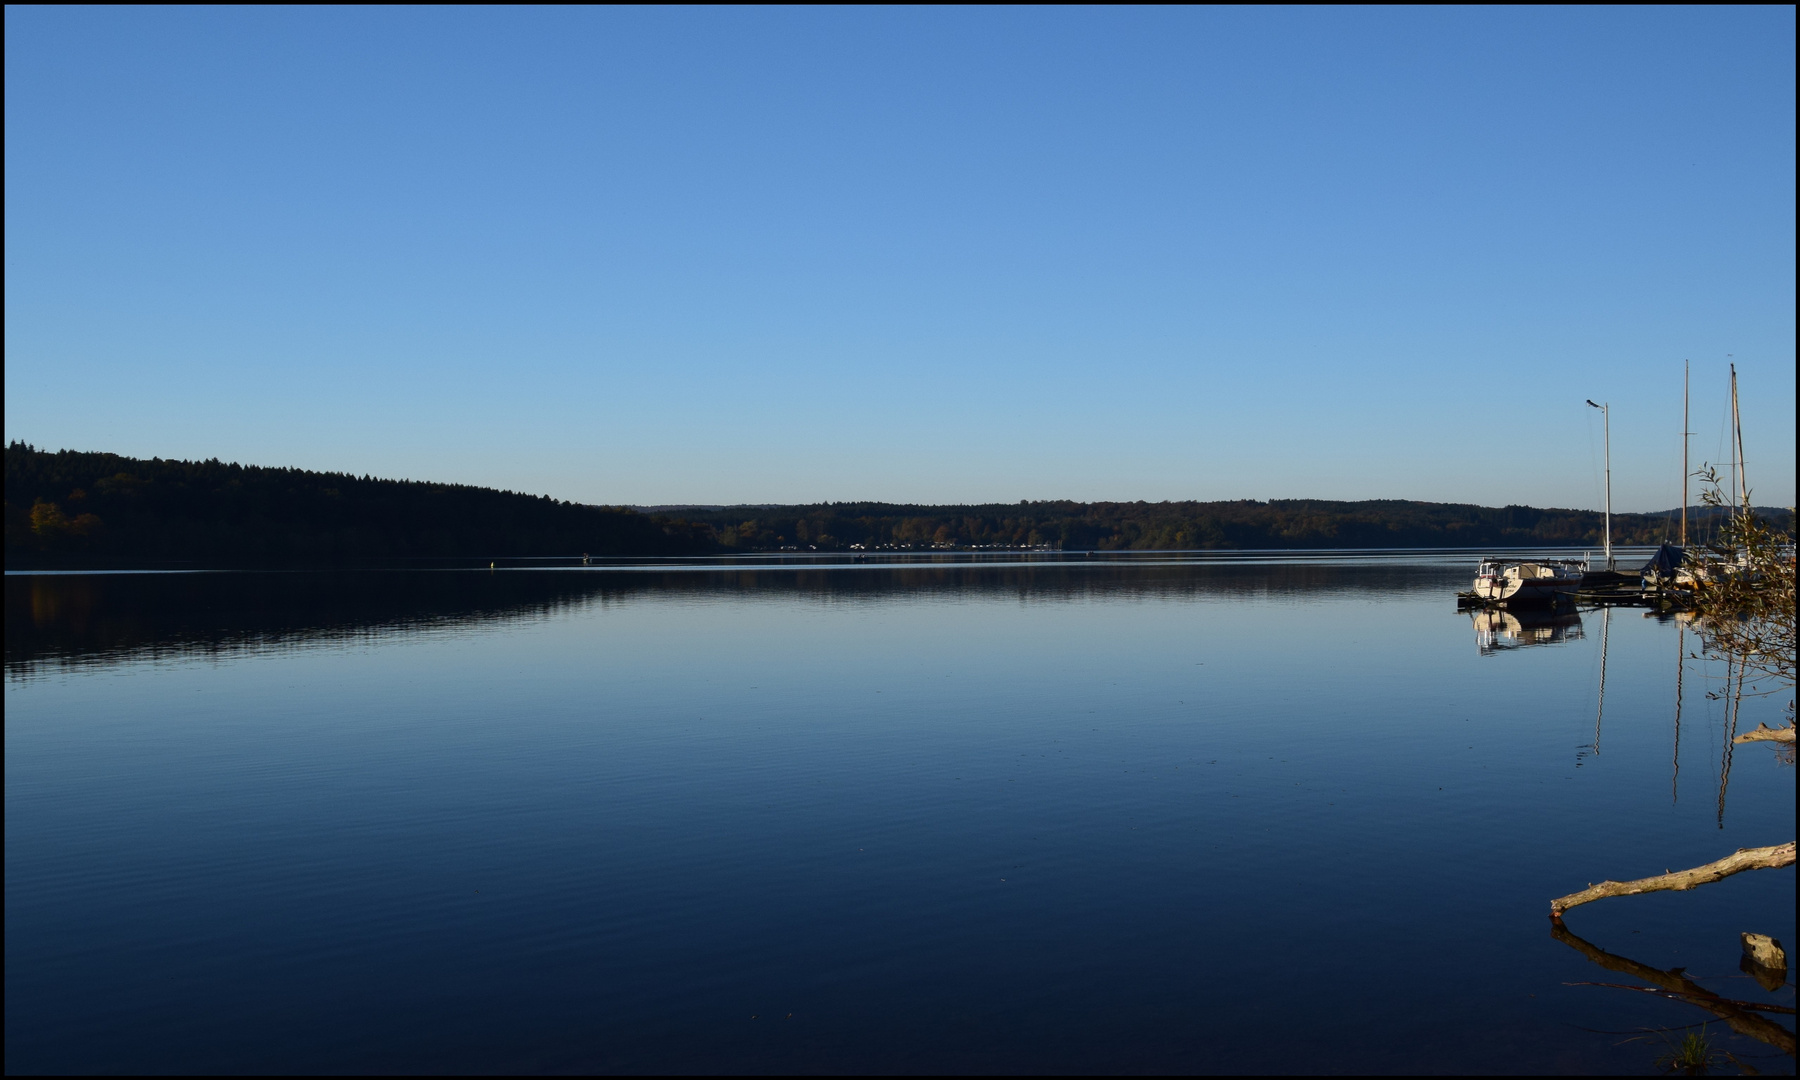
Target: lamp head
1591	402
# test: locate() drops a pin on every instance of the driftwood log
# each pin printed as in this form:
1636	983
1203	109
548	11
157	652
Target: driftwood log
1739	1015
1765	733
1750	858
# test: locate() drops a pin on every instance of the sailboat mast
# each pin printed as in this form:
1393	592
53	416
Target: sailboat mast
1737	425
1685	372
1606	412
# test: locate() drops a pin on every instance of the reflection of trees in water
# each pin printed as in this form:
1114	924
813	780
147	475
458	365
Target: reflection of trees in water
70	619
1052	582
104	618
1744	1017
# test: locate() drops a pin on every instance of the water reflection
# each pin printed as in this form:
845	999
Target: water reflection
85	619
1503	631
952	818
1734	701
76	619
1744	1017
1680	677
1600	708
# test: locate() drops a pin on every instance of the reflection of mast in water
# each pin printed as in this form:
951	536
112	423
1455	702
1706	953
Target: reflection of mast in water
1605	626
1732	705
1680	670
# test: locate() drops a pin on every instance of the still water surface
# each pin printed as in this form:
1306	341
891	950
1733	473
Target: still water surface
1263	815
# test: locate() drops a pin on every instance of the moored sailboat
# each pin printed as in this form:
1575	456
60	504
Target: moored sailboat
1527	583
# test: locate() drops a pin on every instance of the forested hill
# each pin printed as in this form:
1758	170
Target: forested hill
70	505
1278	523
88	505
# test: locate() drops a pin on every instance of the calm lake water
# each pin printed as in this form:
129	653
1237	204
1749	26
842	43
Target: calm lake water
1231	815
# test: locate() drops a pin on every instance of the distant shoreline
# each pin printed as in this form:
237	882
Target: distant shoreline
25	567
75	510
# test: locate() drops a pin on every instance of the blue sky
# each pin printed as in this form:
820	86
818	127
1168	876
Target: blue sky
664	256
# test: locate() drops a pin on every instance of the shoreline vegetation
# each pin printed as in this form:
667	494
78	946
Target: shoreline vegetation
1743	606
70	507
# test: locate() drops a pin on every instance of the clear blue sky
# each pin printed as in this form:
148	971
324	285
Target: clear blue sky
662	256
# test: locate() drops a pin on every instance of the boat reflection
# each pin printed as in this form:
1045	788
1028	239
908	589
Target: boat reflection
1502	631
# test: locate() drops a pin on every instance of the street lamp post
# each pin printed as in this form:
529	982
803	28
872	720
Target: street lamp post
1606	415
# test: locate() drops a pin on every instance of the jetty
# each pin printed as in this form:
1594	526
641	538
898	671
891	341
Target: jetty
1659	583
1666	582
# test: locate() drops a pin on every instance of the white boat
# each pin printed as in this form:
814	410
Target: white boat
1541	581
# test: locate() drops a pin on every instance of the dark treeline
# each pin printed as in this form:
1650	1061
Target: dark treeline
70	506
82	504
1165	526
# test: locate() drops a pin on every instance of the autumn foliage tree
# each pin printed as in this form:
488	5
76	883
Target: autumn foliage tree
1744	592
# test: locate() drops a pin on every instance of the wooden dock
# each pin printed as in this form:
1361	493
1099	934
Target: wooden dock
1630	593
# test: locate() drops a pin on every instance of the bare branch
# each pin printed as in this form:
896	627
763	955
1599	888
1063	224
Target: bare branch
1763	858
